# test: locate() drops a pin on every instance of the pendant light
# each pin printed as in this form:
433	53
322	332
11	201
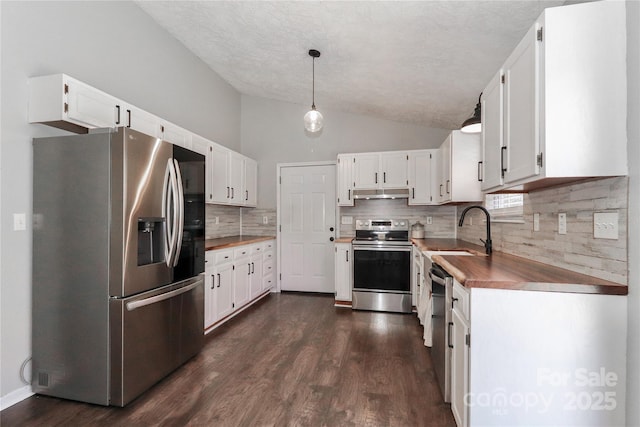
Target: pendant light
313	120
473	124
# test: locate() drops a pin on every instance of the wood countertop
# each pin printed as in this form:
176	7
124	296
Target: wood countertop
344	240
229	242
504	271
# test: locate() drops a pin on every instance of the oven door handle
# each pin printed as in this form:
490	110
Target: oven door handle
382	248
436	279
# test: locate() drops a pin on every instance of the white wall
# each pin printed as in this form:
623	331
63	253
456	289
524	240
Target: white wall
633	144
117	48
273	132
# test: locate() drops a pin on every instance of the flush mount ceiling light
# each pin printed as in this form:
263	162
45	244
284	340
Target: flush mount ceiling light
313	120
473	124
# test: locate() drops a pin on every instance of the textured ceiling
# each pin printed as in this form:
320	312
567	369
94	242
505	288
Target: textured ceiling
422	62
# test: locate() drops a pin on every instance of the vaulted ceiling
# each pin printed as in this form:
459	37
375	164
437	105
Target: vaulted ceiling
423	62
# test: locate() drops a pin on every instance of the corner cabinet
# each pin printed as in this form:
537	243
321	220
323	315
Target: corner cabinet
556	111
344	272
458	169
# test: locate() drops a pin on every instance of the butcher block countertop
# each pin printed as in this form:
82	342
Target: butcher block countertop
344	240
229	242
504	271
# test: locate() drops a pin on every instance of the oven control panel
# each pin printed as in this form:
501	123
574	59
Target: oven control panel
382	224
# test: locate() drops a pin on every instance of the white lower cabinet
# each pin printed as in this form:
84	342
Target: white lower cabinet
343	271
236	276
537	358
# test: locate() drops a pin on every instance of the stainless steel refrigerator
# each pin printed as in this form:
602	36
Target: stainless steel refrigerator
118	262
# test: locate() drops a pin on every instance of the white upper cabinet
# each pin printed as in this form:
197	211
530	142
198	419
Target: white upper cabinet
137	119
420	177
175	134
63	102
345	180
563	102
380	170
458	169
218	190
492	125
251	182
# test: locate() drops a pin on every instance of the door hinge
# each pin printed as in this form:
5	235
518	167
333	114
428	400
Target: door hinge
467	340
280	179
233	267
66	107
354	160
280	276
407	182
430	156
539	159
66	88
540	34
280	227
233	305
407	157
502	79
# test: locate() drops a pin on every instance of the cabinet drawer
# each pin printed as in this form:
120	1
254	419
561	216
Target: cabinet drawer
267	267
461	299
257	249
268	255
270	245
241	252
268	282
222	257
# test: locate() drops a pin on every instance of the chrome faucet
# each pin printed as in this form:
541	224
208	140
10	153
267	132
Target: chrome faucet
487	243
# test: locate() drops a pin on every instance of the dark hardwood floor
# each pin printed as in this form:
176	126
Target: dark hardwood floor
292	359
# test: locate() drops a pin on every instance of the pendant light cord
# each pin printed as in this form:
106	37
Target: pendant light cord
313	84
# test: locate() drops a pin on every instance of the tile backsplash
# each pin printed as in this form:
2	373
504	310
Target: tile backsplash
235	221
577	250
443	217
253	222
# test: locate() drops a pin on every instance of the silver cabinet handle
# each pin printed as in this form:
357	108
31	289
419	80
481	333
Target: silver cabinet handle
152	300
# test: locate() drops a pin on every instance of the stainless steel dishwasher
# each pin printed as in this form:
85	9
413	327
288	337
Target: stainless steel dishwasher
441	285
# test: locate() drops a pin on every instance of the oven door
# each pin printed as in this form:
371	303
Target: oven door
382	268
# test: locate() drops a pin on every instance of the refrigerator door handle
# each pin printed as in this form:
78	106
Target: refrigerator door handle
166	197
180	212
152	300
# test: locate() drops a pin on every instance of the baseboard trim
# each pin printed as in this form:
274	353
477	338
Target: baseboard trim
15	396
235	313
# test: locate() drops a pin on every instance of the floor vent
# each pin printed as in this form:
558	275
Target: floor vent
43	379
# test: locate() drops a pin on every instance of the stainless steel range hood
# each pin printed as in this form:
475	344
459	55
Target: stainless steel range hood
381	194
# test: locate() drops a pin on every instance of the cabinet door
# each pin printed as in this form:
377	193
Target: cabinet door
344	260
394	170
224	290
241	278
236	178
250	182
200	145
175	134
420	177
521	105
444	190
209	290
255	284
137	119
218	190
345	180
492	132
89	106
366	171
459	368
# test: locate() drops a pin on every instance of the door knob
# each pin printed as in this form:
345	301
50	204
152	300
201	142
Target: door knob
331	239
330	228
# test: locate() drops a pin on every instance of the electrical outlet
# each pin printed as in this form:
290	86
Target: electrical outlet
429	220
562	223
19	222
536	222
217	220
265	219
346	220
605	225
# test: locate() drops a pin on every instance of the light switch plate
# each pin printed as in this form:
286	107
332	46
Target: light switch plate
562	223
605	225
346	220
265	219
19	222
536	222
429	220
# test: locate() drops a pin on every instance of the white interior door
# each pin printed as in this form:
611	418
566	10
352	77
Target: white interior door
307	219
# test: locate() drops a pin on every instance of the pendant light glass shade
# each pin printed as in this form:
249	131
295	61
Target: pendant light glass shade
474	123
313	120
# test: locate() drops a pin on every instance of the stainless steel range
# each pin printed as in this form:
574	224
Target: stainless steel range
381	268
